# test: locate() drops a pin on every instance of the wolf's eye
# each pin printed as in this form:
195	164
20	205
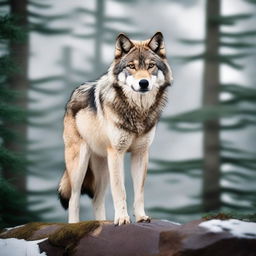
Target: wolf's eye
151	65
131	66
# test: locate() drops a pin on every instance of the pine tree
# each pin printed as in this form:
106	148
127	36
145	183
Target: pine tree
15	115
212	119
13	203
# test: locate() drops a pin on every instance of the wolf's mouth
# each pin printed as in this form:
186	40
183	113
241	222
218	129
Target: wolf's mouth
141	90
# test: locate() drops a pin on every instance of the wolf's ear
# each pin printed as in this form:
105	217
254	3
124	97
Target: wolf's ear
156	44
123	45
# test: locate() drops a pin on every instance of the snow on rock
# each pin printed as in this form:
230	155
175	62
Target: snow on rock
237	228
172	222
15	227
20	247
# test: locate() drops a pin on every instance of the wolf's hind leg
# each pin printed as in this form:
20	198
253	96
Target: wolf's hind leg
99	167
77	155
76	178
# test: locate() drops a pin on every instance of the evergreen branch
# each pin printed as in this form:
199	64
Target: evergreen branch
45	124
49	150
84	11
240	175
232	64
243	123
85	36
236	206
39	5
10	95
239	191
231	149
45	80
208	113
234	56
190	209
35	173
12	113
46	91
248	163
228	59
237	45
45	18
192	41
112	19
7	66
14	161
187	59
43	210
240	93
202	114
45	192
179	127
189	167
13	206
229	19
7	134
9	29
249	33
42	29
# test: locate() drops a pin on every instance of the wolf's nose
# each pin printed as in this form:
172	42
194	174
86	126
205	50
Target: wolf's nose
143	84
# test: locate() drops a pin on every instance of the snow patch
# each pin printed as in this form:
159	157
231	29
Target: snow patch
15	227
176	223
20	247
237	228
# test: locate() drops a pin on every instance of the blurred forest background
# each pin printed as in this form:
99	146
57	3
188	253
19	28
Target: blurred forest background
203	158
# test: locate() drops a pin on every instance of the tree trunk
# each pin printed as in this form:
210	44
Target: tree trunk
100	8
19	52
211	129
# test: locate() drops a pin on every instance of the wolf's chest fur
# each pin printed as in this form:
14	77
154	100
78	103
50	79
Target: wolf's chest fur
136	119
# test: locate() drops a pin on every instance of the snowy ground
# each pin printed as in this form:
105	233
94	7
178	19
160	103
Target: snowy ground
237	228
20	247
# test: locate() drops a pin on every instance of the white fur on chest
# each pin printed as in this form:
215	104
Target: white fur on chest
101	134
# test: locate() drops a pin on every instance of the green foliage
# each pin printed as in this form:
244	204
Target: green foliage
9	29
229	20
13	160
230	215
13	210
14	207
239	35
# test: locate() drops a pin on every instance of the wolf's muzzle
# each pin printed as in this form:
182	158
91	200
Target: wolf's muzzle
143	85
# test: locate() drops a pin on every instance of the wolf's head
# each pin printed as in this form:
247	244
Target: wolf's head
141	65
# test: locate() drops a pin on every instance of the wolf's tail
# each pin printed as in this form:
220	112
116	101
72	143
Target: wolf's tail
64	190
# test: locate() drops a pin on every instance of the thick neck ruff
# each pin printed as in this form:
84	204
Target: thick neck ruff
138	114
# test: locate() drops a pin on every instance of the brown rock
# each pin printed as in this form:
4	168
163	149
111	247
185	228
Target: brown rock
158	238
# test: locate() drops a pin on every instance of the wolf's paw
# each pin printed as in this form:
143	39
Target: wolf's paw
122	220
143	219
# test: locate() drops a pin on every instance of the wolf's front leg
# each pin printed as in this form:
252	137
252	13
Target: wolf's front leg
116	173
139	172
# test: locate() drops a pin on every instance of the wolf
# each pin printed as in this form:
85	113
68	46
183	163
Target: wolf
105	119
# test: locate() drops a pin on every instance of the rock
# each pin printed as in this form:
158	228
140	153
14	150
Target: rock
158	238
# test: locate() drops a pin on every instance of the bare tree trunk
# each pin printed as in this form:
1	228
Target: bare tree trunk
211	129
100	8
19	81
